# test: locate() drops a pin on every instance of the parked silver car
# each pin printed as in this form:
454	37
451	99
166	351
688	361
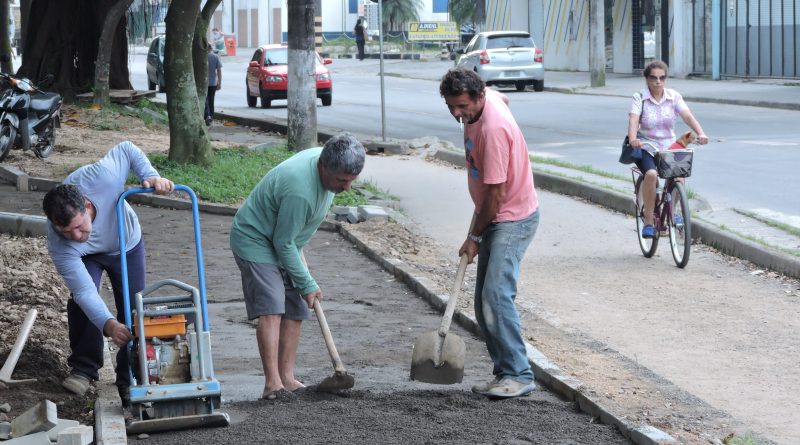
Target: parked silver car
505	58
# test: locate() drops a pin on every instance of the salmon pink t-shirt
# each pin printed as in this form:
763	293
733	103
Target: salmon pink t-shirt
496	153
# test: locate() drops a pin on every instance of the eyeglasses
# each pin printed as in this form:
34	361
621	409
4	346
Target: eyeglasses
654	78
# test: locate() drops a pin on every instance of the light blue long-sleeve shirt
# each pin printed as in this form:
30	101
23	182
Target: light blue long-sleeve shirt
102	183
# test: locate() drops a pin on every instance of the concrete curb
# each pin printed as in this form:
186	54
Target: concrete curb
109	420
23	225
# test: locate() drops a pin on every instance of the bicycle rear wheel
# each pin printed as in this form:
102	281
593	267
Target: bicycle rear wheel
648	245
680	226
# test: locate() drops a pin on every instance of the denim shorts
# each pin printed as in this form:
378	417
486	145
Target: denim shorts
268	290
647	162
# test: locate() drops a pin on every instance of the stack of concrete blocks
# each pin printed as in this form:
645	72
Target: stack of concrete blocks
358	214
40	425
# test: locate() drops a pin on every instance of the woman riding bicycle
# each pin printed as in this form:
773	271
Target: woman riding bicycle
652	121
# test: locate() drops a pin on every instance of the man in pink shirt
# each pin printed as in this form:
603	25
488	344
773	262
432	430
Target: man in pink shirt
500	183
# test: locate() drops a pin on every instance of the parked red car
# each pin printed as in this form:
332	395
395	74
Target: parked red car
267	76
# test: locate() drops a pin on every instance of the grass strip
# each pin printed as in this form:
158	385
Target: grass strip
233	175
770	222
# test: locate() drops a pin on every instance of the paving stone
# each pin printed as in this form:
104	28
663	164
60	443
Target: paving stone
41	417
76	435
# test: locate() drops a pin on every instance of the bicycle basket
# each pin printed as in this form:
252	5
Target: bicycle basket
674	163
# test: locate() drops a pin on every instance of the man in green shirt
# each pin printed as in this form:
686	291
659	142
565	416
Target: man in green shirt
267	237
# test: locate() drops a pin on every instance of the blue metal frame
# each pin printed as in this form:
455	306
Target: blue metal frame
124	262
198	251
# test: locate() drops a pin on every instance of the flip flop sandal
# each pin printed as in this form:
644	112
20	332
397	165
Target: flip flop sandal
272	395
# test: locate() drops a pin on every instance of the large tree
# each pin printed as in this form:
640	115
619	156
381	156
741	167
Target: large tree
188	136
5	41
103	63
462	11
62	38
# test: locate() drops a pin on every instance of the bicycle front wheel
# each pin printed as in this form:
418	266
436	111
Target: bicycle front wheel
648	245
680	226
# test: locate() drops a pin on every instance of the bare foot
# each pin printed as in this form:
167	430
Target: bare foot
294	385
271	394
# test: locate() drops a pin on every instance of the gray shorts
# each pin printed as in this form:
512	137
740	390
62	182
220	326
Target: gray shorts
268	290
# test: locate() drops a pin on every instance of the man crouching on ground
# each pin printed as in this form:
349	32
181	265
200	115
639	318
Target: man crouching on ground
267	237
500	183
83	241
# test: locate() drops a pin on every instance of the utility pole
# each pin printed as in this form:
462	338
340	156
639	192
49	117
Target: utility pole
597	43
302	91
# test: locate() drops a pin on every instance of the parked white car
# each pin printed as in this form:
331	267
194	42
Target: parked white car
505	58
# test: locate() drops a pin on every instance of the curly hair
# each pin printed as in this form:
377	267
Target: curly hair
62	203
458	81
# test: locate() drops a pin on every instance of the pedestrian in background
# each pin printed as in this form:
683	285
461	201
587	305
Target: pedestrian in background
83	241
267	237
500	183
652	119
214	83
361	37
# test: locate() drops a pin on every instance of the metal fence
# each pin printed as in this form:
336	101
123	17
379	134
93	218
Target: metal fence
759	38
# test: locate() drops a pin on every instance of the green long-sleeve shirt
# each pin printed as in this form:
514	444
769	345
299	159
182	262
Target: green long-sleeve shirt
281	214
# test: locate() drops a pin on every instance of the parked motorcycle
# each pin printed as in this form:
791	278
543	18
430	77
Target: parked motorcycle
29	117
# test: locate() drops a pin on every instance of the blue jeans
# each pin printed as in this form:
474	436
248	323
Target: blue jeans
501	252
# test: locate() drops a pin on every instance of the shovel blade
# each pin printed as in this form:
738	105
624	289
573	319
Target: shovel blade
438	361
337	382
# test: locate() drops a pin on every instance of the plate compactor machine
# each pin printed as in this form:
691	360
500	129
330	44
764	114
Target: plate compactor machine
171	372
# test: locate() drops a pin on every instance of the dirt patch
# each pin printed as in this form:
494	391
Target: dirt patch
29	281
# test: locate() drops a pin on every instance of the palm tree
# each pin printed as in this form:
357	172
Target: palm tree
397	12
467	11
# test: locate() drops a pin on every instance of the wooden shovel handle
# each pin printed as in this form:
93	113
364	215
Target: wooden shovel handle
326	333
451	302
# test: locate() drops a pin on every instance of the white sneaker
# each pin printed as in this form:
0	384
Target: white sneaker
508	387
76	383
484	388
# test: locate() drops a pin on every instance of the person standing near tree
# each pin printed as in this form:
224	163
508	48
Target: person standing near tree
500	183
214	83
83	241
267	237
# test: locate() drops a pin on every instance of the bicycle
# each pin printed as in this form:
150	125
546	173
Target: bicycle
672	214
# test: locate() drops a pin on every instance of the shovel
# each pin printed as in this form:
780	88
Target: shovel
16	351
340	380
438	356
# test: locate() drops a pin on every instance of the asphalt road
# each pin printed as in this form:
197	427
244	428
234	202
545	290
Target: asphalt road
741	167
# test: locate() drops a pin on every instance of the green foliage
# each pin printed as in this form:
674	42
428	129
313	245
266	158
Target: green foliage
396	13
349	198
746	439
234	173
770	222
462	10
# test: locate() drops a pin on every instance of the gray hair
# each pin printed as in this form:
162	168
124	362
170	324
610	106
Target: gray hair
343	154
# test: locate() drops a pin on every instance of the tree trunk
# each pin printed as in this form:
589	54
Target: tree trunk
188	135
302	92
200	49
62	38
5	42
104	51
24	18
